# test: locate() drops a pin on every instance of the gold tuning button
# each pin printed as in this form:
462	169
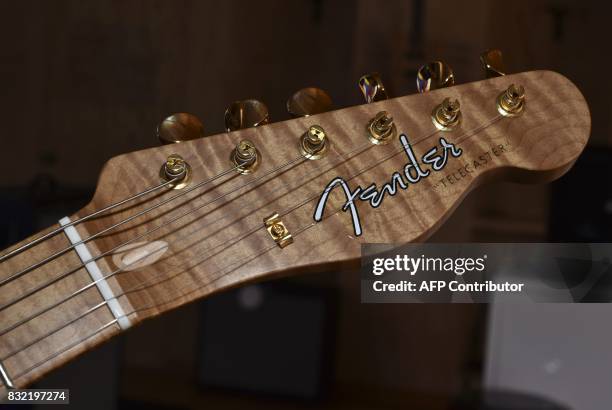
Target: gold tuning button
493	63
309	101
246	114
314	143
175	169
381	128
372	88
245	157
179	127
446	115
511	102
434	75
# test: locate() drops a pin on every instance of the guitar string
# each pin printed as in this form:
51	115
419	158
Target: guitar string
105	326
155	306
91	284
51	257
296	233
299	205
152	230
94	308
36	241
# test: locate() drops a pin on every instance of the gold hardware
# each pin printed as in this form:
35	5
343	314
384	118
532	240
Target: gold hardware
246	114
278	231
245	157
372	88
381	128
314	143
447	115
511	102
434	75
179	127
309	101
493	63
175	167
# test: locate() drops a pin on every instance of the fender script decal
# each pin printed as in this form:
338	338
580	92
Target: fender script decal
413	172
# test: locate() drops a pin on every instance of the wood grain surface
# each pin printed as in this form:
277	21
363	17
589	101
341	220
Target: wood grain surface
221	241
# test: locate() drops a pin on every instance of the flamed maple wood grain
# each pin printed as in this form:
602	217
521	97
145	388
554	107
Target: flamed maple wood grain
224	243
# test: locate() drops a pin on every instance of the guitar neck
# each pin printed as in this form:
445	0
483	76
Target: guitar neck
42	327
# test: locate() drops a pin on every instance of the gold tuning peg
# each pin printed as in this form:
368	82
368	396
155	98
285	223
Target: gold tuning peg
309	101
246	114
372	88
434	75
179	127
493	63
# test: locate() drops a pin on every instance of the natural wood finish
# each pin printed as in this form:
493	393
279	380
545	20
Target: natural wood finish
204	254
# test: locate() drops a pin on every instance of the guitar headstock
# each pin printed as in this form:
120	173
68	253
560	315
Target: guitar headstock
171	224
304	194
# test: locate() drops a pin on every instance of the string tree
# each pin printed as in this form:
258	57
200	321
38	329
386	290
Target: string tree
278	231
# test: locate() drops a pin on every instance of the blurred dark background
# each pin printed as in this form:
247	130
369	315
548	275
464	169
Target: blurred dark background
84	81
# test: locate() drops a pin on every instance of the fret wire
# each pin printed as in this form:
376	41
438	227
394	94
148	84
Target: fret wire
296	233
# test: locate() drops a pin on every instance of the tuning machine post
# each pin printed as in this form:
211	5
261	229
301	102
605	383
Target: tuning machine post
175	169
511	102
446	115
245	157
381	129
314	143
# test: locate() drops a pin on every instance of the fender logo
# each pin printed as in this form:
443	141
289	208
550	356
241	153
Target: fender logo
413	173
